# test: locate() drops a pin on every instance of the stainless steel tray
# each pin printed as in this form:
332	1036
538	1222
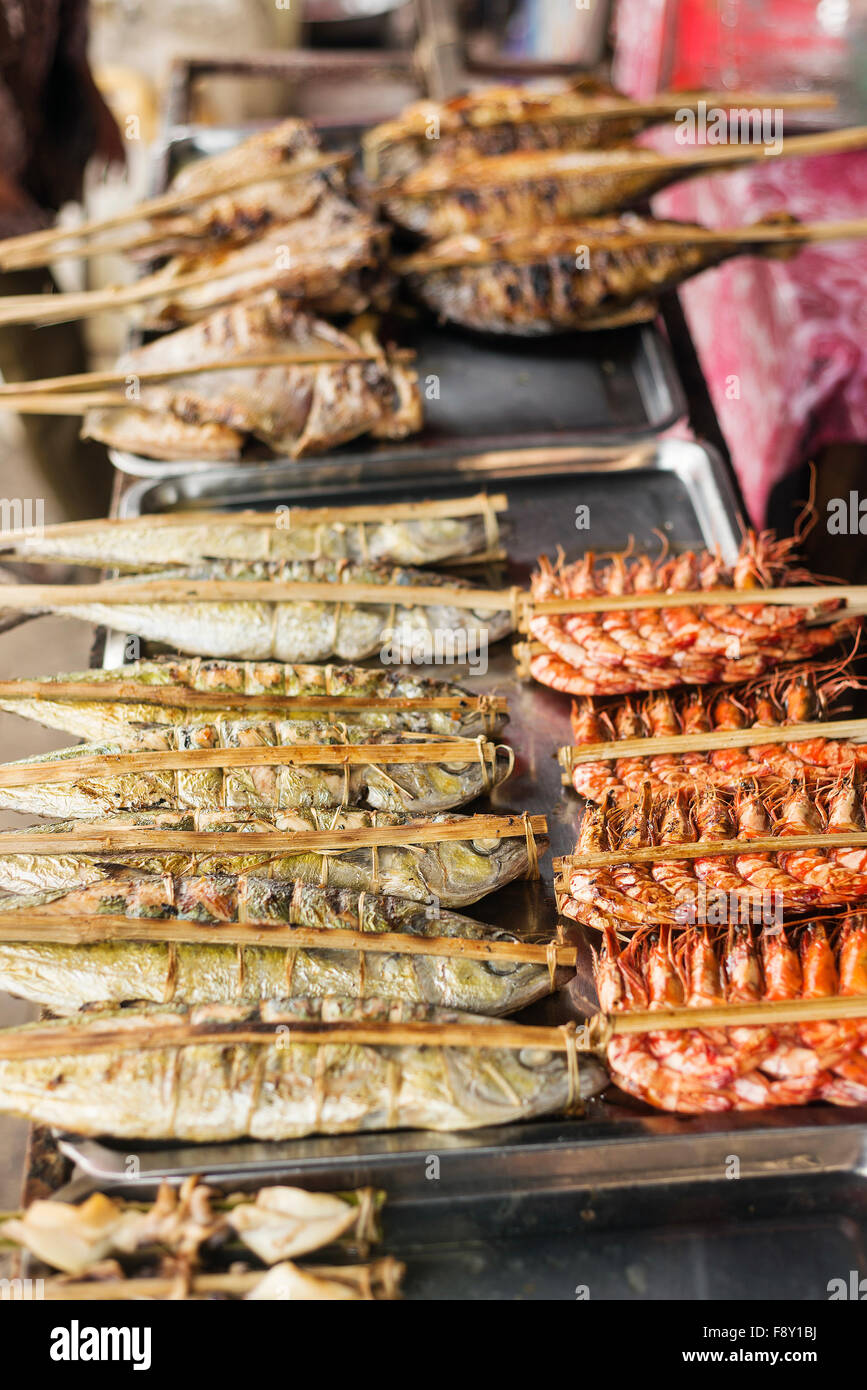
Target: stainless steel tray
482	392
632	1202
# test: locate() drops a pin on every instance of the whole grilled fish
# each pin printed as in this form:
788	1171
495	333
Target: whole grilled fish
303	630
277	1088
65	977
454	873
389	786
537	282
286	535
122	718
296	408
497	120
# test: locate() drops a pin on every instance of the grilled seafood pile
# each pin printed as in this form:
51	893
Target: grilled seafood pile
179	1245
743	1067
112	706
219	1072
677	891
783	700
294	409
66	977
622	651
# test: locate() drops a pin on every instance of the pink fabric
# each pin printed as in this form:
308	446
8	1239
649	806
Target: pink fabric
794	333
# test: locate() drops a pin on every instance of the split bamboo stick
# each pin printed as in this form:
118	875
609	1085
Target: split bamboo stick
34	596
379	1278
147	1033
854	730
84	382
88	840
558	165
467	750
128	692
18	250
800	595
762	844
78	928
479	504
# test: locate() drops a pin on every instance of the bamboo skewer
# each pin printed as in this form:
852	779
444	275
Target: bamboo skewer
479	504
755	736
467	750
86	840
762	844
35	926
34	596
147	1033
381	1276
800	595
121	691
569	164
16	252
772	233
84	381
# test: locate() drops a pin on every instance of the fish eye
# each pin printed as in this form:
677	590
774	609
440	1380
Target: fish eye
534	1058
485	847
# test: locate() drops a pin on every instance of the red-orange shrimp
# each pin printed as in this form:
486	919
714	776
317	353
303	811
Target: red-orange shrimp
727	712
636	880
799	815
761	870
593	780
594	888
743	985
832	1040
628	723
677	876
783	980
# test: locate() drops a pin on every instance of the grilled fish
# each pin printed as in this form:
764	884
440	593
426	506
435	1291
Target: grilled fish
145	686
65	977
276	1088
260	154
306	630
298	410
498	120
288	535
453	873
595	274
420	787
326	259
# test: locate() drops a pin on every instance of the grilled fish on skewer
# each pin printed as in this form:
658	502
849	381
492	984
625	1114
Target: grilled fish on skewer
537	187
318	259
297	410
260	153
596	274
586	114
403	537
277	1088
66	977
381	784
451	872
153	692
303	630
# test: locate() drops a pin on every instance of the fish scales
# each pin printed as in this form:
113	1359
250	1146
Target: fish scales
66	977
429	786
454	873
306	630
281	1089
120	719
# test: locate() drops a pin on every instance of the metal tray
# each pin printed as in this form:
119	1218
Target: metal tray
627	1201
481	392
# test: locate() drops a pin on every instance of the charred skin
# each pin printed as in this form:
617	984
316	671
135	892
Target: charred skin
553	295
